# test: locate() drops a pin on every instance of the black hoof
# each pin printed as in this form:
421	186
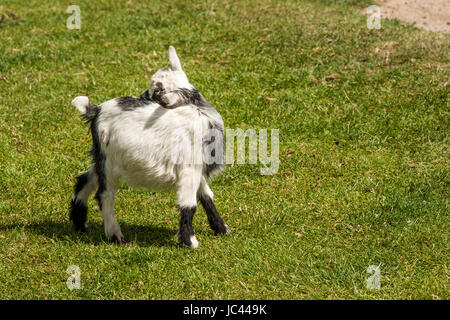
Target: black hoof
186	244
116	240
222	230
82	228
190	242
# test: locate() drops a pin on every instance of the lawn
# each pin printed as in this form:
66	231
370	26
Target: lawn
364	167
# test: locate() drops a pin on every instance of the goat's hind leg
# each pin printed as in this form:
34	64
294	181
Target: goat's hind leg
106	198
206	199
84	187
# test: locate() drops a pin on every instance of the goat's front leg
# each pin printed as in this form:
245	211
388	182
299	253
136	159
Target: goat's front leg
105	196
187	202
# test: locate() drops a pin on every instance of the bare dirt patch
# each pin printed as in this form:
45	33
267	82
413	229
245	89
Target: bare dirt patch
431	15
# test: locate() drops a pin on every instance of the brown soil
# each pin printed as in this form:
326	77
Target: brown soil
431	15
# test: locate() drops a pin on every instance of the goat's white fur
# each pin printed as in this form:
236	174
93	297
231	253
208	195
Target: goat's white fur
146	147
151	147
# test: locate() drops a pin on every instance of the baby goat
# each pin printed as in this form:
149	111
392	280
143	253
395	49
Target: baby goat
170	137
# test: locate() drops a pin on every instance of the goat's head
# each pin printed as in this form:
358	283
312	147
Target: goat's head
166	82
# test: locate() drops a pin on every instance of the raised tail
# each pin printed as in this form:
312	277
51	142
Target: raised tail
87	110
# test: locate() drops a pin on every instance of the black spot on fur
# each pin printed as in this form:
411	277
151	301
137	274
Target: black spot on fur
158	94
130	103
186	229
81	182
217	153
192	96
91	112
99	159
215	220
185	96
78	215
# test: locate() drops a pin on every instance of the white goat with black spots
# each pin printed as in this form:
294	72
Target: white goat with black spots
170	137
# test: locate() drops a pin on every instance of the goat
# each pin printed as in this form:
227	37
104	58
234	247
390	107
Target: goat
170	137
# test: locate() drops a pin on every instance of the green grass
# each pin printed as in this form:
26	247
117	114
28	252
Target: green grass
364	172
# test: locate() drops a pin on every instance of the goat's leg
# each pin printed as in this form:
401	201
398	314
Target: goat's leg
206	199
105	197
188	184
84	187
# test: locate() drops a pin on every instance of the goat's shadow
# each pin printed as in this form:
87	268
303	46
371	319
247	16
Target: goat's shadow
158	113
141	235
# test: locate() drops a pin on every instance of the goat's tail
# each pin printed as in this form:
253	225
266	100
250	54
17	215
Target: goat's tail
87	110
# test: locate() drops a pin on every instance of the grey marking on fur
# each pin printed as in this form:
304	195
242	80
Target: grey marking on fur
130	103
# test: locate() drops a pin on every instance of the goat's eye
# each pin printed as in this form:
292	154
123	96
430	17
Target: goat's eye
159	91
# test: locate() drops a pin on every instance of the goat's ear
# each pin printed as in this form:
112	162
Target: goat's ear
145	95
175	64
